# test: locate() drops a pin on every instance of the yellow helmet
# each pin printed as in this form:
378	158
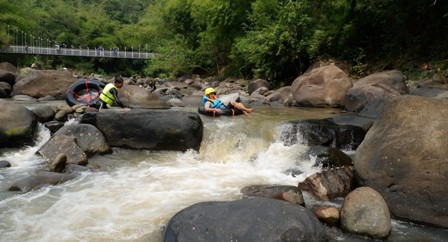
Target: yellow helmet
209	90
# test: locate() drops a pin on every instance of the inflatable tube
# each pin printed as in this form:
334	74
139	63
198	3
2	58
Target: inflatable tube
84	92
225	112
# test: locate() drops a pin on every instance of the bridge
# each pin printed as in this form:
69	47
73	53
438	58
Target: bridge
92	53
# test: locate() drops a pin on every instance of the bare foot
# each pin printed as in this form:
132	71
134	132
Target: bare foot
249	110
246	113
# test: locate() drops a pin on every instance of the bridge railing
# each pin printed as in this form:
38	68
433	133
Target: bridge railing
37	50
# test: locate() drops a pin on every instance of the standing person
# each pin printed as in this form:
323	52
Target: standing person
213	104
109	95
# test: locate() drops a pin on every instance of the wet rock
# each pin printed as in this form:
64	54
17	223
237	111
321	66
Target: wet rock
72	168
289	194
327	157
325	132
4	164
254	219
58	164
329	184
39	180
54	126
63	144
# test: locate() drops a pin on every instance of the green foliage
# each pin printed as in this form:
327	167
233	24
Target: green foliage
272	39
84	68
276	46
174	57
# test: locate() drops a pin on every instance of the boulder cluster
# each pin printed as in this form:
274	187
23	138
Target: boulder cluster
396	130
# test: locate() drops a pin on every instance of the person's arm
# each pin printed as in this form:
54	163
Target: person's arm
210	109
114	92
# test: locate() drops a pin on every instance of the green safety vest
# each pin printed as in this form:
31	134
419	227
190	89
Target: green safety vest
106	96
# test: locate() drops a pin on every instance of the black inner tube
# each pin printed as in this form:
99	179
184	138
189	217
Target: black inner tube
84	92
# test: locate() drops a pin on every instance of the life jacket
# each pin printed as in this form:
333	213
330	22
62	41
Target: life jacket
106	96
215	103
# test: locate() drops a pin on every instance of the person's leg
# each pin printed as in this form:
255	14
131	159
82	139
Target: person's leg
102	105
241	107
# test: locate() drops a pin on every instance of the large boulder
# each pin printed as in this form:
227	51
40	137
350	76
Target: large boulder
42	83
254	219
148	129
17	125
6	66
364	212
373	88
394	79
7	77
321	87
137	97
404	157
8	73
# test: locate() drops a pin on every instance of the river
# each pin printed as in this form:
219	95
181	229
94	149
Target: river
133	193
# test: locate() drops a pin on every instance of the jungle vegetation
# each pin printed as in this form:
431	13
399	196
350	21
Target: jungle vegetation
272	39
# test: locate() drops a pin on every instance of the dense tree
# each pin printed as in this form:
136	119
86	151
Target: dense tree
272	39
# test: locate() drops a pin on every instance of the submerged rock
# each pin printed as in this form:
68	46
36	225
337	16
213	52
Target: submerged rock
39	180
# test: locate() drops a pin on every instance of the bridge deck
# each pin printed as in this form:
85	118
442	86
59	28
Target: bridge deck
18	49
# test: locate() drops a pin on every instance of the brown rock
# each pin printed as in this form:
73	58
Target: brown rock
327	214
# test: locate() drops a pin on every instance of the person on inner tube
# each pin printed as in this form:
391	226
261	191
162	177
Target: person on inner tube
109	95
213	104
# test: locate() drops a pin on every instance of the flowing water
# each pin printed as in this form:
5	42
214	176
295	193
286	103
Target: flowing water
133	193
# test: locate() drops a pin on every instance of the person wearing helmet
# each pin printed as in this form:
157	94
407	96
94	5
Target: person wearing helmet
213	104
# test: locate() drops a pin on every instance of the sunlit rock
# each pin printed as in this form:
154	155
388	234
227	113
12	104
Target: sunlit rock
329	184
364	212
404	158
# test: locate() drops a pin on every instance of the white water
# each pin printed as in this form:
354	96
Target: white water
133	194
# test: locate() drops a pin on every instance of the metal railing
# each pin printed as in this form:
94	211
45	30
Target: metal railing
94	53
